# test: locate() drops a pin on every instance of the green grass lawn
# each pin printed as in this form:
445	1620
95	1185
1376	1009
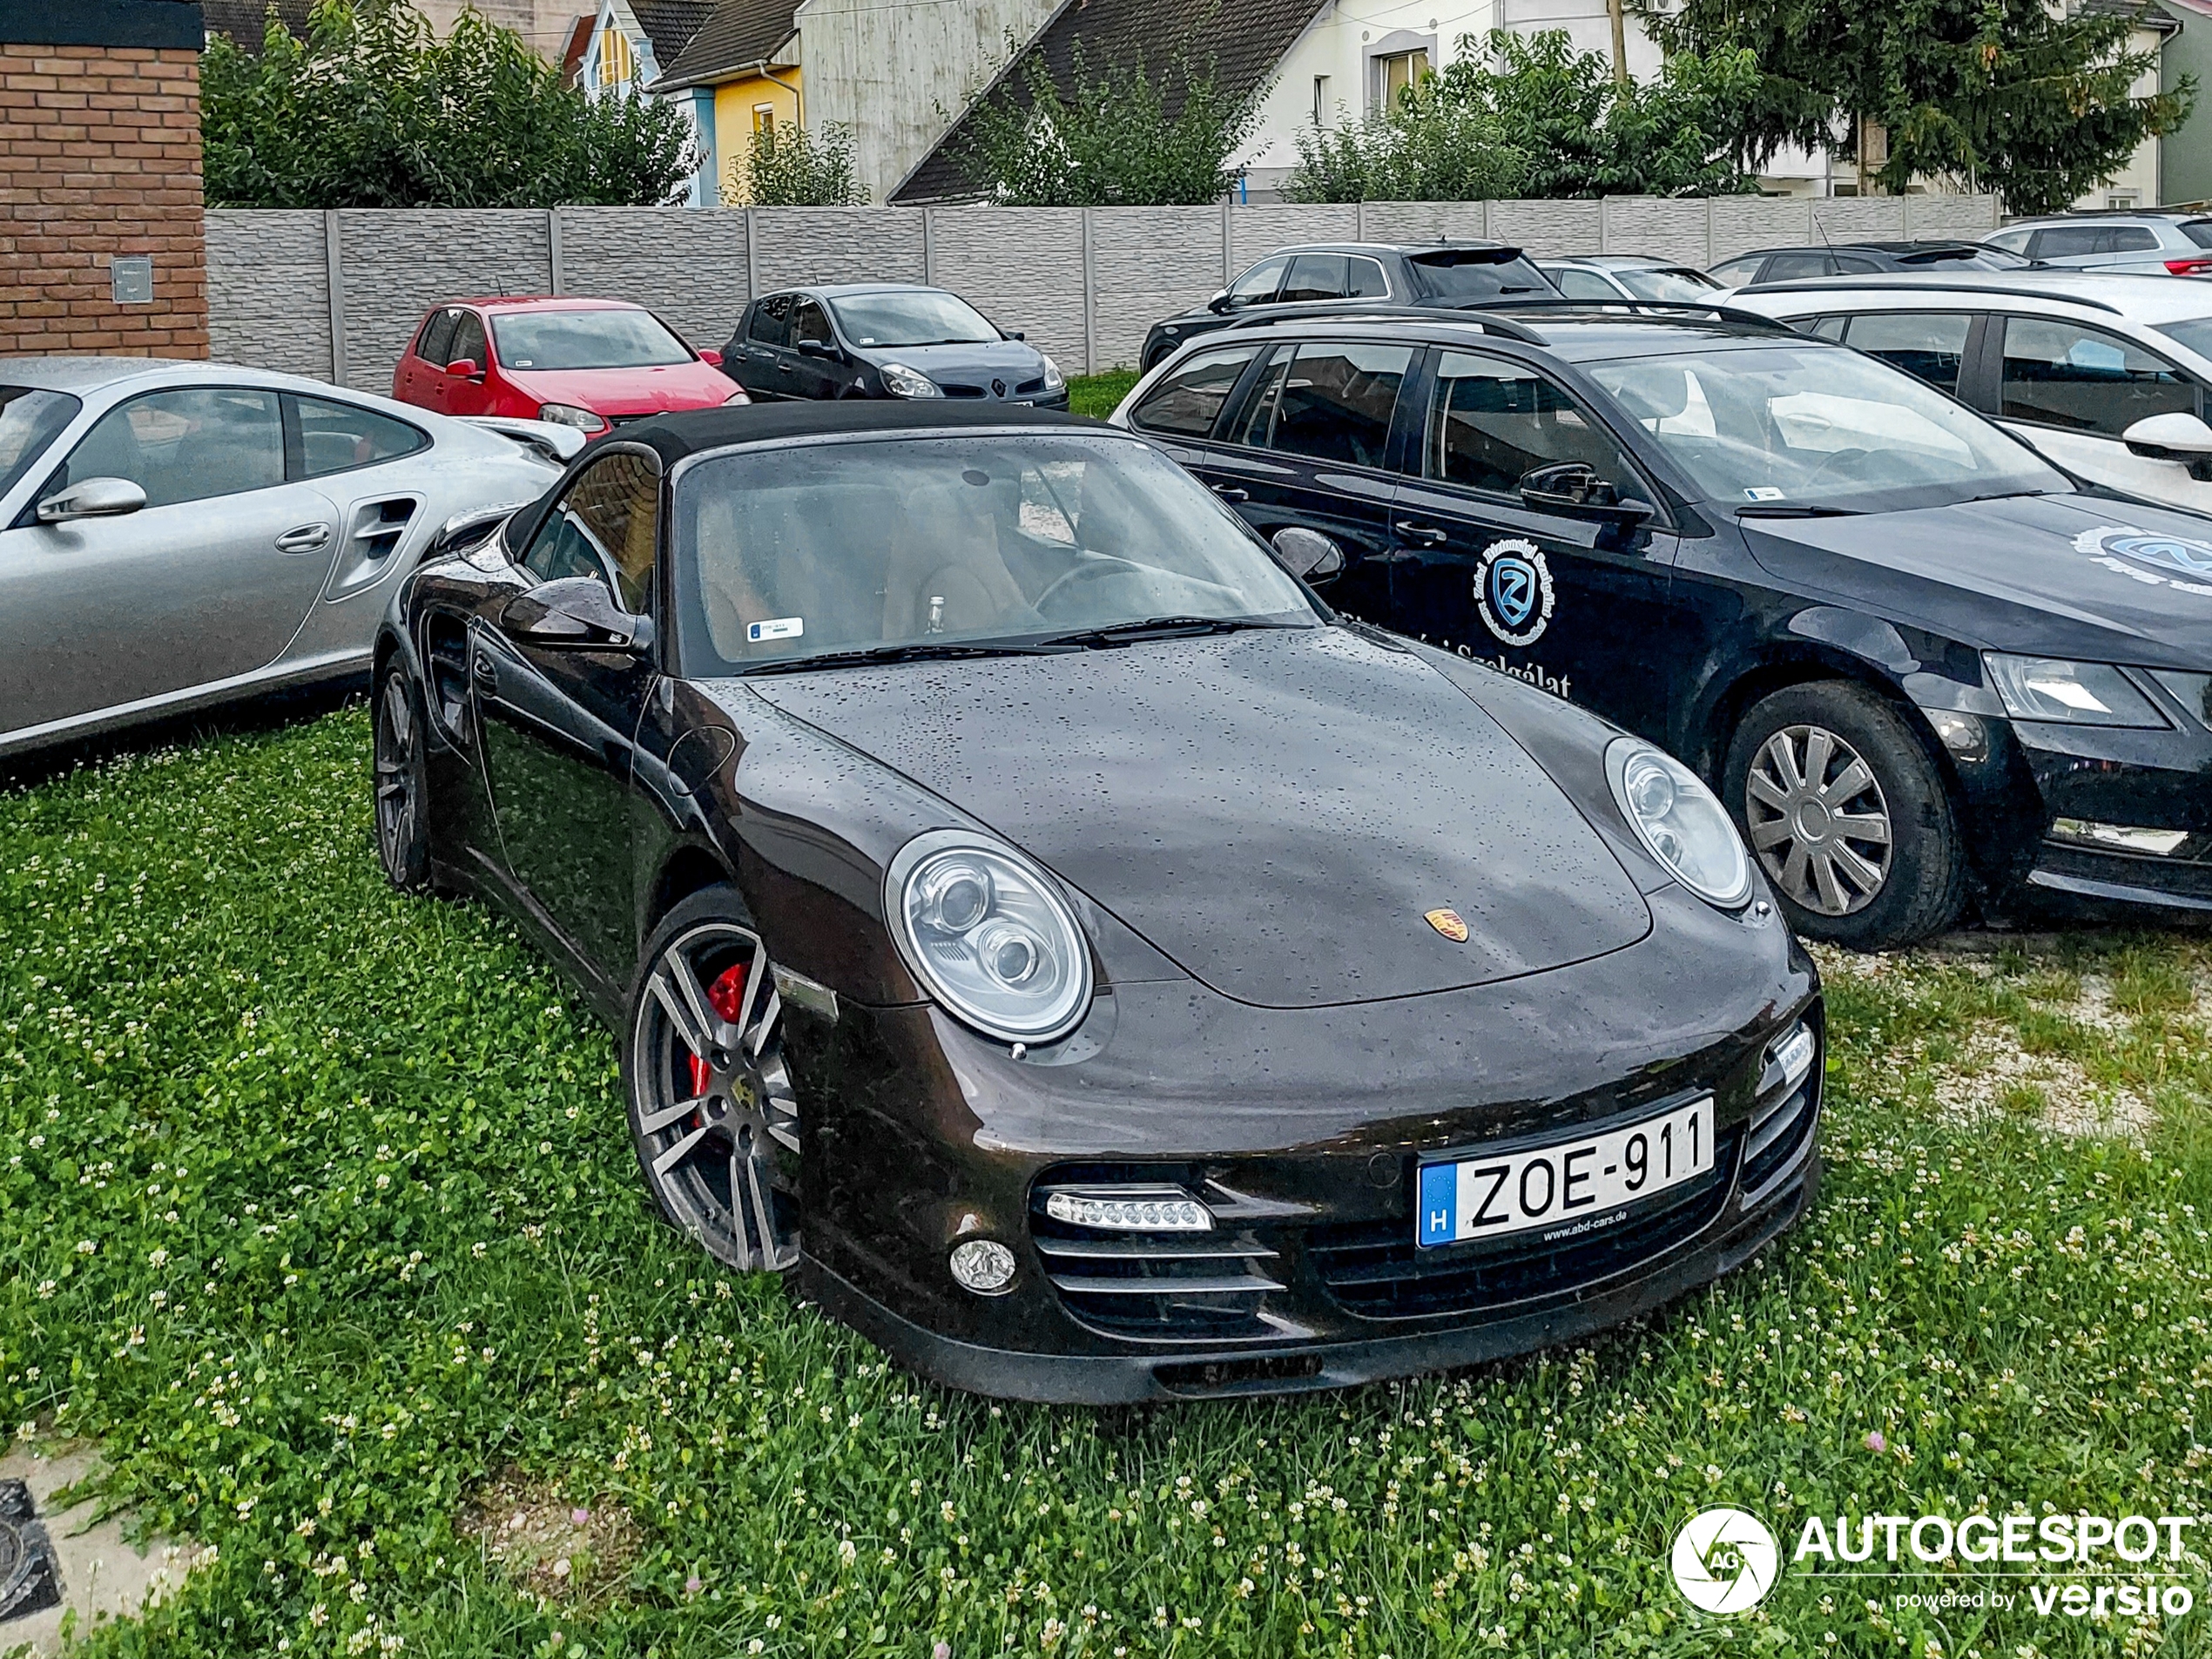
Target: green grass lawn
319	1218
1099	394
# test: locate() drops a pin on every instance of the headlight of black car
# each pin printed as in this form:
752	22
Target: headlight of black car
1680	820
2044	688
988	935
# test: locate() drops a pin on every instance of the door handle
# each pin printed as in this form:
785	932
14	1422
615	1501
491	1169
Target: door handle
1229	492
480	666
305	539
1433	535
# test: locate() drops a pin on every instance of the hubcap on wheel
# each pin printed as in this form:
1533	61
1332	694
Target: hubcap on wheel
718	1122
1817	820
396	803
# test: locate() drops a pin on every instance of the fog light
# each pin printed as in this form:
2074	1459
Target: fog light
984	1267
1171	1211
1963	734
2119	838
1793	1054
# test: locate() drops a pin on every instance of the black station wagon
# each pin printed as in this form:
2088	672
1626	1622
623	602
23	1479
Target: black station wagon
1921	663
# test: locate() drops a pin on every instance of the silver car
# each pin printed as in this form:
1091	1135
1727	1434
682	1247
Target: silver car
2133	243
175	535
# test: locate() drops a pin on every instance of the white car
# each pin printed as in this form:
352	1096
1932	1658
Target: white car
2105	375
176	535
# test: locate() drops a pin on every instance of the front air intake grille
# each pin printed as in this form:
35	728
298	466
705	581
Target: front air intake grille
1782	1128
1374	1269
1029	388
954	388
1166	1285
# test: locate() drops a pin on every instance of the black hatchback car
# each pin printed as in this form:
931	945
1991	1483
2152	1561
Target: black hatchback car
1863	259
1101	971
1351	276
884	339
1919	661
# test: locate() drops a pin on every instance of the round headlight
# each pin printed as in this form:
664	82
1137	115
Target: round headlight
989	935
1680	820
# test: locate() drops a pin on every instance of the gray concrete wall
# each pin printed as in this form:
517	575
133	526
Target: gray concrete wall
1084	284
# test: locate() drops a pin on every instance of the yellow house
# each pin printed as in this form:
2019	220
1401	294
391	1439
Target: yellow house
745	58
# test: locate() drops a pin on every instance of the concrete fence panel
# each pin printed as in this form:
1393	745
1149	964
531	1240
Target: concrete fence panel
1022	269
804	244
690	265
268	291
1550	229
1666	230
1743	223
1147	263
1258	229
397	265
1970	218
1858	219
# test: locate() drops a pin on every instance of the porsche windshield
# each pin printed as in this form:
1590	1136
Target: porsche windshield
1772	428
28	419
934	545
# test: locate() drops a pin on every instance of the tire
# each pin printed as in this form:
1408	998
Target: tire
712	1114
1794	756
403	783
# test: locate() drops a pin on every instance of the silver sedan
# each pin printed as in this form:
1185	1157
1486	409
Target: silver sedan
176	535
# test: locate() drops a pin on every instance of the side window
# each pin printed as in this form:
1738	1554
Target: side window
2130	238
468	340
613	509
1331	401
1364	279
1825	327
770	320
1256	286
1741	269
1314	276
1788	268
2064	241
437	334
336	436
1490	422
1927	345
809	321
185	445
2064	374
1187	401
1583	285
1853	265
2011	241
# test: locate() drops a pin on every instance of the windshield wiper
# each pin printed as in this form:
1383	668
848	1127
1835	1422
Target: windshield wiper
918	652
1794	509
1161	628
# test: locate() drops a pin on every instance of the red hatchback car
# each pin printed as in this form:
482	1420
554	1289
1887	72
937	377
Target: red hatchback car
591	364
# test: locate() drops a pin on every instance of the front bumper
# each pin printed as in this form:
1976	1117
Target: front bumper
1303	1131
2132	780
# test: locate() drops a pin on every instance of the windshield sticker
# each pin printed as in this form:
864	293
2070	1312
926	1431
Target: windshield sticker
2156	560
780	628
1763	492
1513	589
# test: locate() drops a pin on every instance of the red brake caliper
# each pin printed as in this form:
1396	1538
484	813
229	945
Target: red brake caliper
726	997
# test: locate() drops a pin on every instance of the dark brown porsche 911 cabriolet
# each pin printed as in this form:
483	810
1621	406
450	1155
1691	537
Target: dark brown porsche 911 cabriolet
1100	970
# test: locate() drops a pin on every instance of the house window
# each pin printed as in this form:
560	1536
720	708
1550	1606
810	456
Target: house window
1395	71
2123	201
617	63
1320	100
763	117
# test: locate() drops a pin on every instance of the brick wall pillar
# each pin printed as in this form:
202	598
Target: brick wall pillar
100	160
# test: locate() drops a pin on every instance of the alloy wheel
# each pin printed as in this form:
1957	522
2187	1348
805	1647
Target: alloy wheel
1817	820
715	1115
399	791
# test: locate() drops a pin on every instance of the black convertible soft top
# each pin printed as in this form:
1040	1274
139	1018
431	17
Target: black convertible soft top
687	432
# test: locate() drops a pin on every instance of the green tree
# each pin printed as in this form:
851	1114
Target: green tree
1546	120
371	110
790	166
1118	137
2015	95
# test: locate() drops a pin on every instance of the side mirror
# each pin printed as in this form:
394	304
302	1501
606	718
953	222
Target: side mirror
710	357
816	348
94	498
463	367
1308	554
1219	303
1574	489
575	613
2168	437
